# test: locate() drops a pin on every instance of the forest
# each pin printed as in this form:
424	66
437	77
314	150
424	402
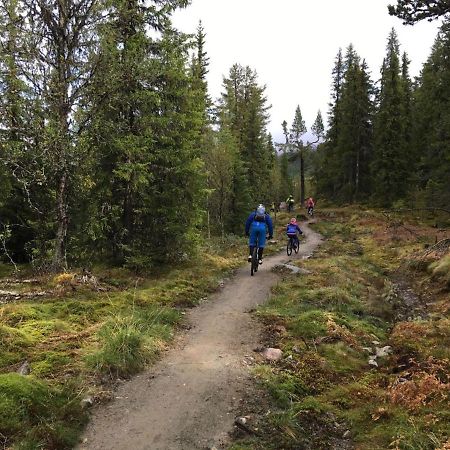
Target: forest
108	135
124	190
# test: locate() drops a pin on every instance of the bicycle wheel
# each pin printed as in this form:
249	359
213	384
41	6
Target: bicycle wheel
254	265
297	246
289	247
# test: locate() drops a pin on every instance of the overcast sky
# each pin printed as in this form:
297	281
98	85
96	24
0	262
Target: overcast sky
292	45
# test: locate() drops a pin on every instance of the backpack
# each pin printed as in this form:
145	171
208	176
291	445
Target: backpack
260	217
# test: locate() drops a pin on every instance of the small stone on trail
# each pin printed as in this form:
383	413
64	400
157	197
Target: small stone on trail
346	434
240	420
272	354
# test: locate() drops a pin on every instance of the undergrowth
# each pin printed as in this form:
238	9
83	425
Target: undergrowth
78	338
326	394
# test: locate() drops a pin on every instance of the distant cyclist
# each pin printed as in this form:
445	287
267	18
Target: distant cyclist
292	229
255	227
310	203
290	203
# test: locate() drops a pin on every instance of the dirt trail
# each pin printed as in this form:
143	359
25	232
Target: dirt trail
188	400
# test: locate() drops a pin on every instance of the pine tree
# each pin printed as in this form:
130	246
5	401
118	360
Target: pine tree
317	128
431	132
327	164
412	11
390	163
146	163
353	148
200	65
244	106
298	129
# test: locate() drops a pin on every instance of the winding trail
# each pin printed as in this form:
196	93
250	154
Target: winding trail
188	400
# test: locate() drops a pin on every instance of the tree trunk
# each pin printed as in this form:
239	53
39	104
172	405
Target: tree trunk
62	144
357	173
59	256
302	179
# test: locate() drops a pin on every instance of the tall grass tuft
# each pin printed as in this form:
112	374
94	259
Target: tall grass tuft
128	343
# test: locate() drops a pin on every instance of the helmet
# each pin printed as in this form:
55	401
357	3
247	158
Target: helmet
293	220
260	210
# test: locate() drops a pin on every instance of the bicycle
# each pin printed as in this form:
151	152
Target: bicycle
255	260
311	211
254	263
292	244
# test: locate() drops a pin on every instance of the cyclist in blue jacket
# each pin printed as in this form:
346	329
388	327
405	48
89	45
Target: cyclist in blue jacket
255	227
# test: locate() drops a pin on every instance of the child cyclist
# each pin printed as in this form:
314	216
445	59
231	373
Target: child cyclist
255	227
292	229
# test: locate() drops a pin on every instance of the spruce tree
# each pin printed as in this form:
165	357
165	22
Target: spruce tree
145	139
298	129
327	164
412	11
244	106
431	117
390	161
353	149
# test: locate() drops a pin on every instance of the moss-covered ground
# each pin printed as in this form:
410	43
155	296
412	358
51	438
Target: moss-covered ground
84	333
330	322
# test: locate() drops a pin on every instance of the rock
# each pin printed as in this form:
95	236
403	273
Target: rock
372	361
382	352
87	402
272	354
375	343
240	420
24	369
367	349
279	329
346	434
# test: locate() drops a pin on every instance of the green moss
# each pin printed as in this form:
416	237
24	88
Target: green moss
309	325
26	403
342	358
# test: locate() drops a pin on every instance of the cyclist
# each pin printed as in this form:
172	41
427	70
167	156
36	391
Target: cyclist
292	229
310	205
255	227
290	203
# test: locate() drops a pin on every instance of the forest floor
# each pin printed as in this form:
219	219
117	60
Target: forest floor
191	398
365	335
361	325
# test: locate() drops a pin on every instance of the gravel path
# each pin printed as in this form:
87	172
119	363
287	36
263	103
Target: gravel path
189	399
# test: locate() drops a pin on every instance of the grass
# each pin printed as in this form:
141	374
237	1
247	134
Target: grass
345	307
77	338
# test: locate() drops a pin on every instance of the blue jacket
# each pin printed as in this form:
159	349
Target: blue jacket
292	229
251	218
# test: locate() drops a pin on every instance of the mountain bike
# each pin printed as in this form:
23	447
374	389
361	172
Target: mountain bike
254	263
311	211
255	260
292	244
